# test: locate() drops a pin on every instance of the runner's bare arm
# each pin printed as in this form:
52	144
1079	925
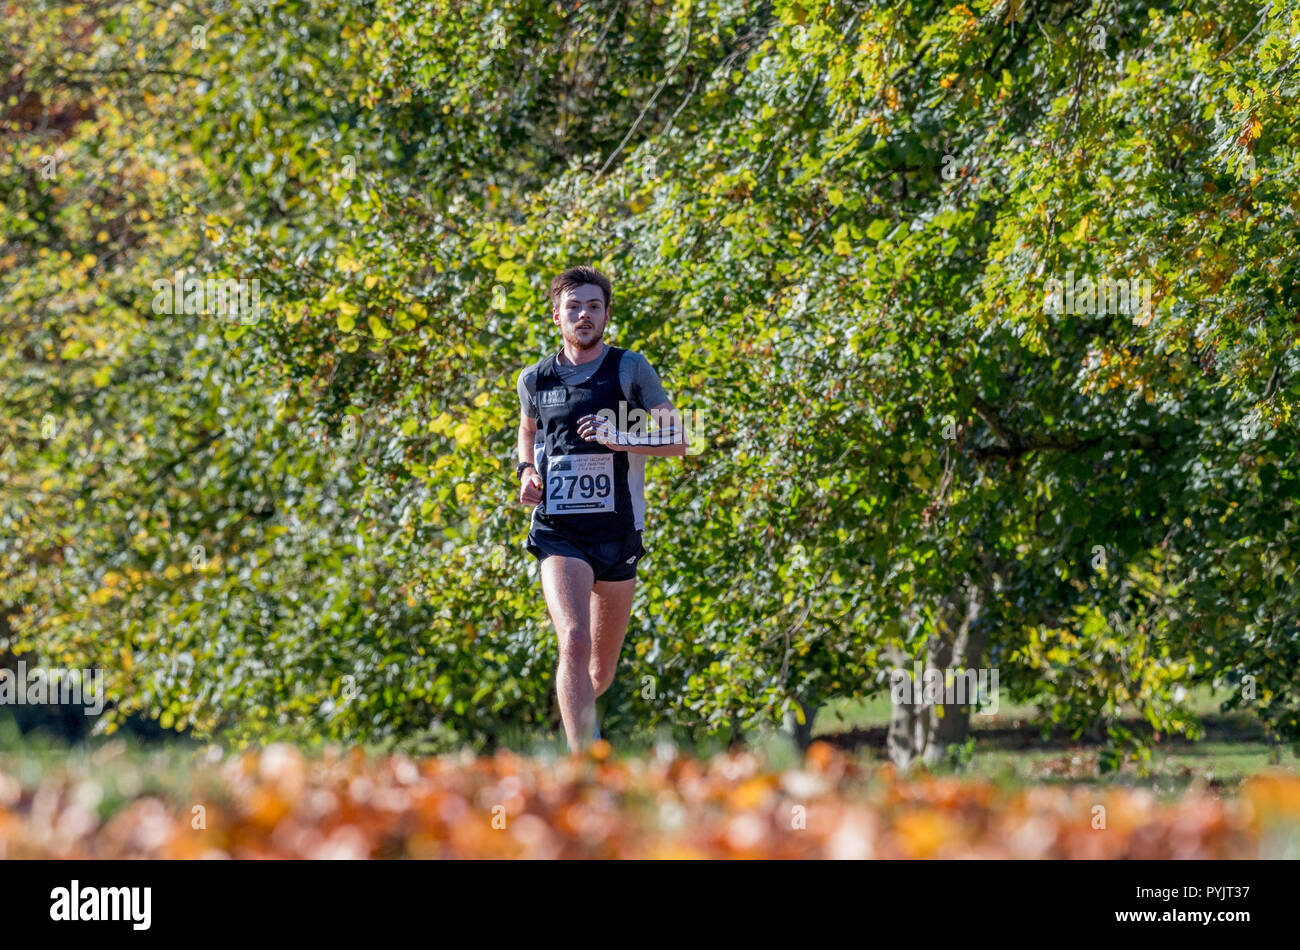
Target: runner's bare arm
527	433
665	418
530	483
667	421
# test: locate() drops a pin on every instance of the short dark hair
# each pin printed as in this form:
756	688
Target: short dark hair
574	278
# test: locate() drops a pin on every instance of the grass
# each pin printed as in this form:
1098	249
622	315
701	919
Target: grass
110	771
1007	747
843	715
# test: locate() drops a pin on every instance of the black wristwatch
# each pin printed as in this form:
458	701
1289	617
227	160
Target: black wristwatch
519	469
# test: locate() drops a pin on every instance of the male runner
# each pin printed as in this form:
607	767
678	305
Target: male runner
586	479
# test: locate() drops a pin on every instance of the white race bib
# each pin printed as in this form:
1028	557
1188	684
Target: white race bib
580	484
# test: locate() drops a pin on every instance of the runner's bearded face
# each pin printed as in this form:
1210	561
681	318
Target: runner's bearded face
582	316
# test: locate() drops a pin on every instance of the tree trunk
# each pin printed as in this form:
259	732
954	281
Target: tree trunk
925	730
736	741
802	734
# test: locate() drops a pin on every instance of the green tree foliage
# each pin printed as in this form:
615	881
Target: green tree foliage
834	228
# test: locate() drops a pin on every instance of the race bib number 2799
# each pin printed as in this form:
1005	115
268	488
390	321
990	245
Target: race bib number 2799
580	484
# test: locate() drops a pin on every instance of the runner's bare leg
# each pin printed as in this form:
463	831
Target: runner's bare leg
567	584
611	607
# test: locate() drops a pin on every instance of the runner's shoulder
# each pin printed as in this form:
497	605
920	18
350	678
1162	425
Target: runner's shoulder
633	357
528	375
637	367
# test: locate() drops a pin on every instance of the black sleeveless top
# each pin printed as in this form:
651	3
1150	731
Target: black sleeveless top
581	479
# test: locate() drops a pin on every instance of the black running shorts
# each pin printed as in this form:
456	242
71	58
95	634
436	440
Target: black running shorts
609	560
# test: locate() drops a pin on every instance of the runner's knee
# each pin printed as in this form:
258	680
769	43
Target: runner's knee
601	678
575	643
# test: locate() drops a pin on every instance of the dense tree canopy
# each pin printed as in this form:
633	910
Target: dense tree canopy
835	229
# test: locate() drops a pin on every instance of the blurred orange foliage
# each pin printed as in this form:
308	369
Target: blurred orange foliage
278	803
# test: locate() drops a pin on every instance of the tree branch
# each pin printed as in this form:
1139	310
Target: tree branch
686	48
